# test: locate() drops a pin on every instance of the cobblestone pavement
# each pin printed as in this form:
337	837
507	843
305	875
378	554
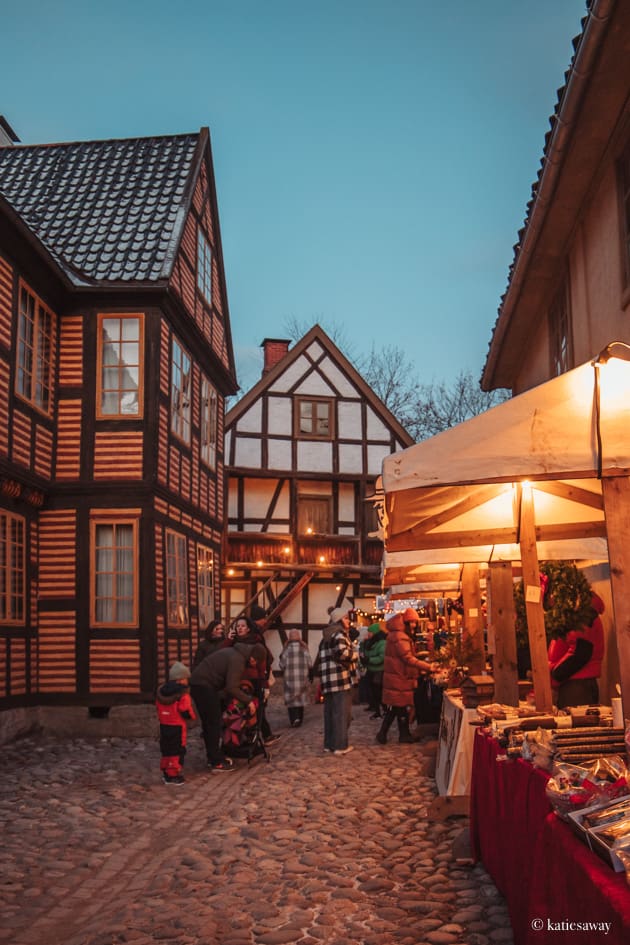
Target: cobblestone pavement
307	848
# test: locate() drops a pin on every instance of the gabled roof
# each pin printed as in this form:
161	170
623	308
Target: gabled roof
106	211
317	333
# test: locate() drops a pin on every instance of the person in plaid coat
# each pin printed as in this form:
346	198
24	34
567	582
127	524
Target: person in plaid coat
296	663
336	665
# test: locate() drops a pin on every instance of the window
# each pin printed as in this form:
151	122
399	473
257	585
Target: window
115	572
35	350
11	568
204	266
208	423
314	515
314	418
180	393
119	370
176	580
559	335
205	584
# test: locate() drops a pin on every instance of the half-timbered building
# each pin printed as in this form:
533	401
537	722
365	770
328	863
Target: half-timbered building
304	448
115	360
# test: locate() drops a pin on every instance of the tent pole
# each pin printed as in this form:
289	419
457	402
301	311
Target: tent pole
472	631
501	597
533	602
616	492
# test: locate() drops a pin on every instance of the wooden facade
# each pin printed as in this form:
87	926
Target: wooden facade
112	392
304	448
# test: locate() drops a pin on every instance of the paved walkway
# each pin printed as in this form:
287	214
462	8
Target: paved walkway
310	848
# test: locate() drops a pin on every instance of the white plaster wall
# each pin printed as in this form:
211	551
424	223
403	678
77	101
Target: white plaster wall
341	382
376	429
351	458
292	374
232	498
315	385
279	416
349	419
346	501
314	487
314	457
279	454
347	530
250	421
315	350
376	455
258	496
248	453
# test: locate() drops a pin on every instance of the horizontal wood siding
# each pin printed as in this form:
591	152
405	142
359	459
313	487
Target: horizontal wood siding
165	359
162	459
68	457
57	554
57	651
22	436
71	353
118	455
4	665
4	409
6	302
114	666
18	667
43	451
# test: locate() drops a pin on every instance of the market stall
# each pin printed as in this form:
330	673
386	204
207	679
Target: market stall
551	880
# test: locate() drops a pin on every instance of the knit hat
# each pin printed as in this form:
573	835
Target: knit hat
396	622
410	615
178	671
374	628
338	613
258	613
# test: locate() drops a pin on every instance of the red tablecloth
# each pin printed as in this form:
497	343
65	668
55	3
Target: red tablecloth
553	884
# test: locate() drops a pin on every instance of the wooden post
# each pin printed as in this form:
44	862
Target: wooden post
616	494
473	620
533	603
502	616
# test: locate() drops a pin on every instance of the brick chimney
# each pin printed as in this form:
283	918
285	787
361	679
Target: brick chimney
274	350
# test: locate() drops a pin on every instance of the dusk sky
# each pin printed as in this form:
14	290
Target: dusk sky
373	158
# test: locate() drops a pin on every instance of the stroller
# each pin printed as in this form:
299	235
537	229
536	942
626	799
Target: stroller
242	737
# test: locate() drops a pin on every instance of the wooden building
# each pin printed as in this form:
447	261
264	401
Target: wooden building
115	360
303	450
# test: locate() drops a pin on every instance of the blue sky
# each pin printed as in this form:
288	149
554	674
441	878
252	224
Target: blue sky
373	158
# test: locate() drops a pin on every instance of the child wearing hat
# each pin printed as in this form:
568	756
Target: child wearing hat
174	709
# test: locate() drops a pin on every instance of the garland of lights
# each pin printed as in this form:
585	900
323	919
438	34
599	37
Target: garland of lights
566	597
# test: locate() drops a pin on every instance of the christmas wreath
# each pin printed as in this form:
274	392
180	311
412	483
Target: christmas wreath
566	597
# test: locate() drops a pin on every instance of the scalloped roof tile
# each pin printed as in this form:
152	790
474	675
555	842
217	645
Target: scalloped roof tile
105	210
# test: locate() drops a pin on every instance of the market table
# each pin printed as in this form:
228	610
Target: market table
553	884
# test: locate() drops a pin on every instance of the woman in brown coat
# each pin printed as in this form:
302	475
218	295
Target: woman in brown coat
400	675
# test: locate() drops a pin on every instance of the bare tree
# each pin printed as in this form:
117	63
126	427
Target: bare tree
441	405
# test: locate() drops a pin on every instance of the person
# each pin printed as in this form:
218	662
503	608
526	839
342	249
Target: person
296	662
374	652
575	662
336	664
400	674
174	709
213	639
247	631
218	675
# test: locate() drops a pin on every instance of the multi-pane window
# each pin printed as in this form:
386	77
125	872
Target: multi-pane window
559	335
176	580
11	568
119	370
114	569
204	265
208	423
314	418
35	350
205	584
314	514
180	392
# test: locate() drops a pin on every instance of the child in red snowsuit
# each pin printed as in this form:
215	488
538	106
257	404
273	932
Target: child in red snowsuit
174	709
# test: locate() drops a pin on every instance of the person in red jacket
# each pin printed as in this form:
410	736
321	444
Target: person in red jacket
174	710
575	662
400	676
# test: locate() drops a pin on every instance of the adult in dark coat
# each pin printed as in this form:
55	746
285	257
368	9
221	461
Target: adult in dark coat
218	677
400	675
213	639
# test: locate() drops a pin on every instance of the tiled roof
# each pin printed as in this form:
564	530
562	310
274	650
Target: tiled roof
107	211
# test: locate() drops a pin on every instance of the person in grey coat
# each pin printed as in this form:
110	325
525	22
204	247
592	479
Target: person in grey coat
296	663
218	676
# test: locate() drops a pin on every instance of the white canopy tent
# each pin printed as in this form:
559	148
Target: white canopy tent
543	475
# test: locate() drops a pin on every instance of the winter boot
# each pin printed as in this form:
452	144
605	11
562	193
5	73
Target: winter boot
404	735
388	718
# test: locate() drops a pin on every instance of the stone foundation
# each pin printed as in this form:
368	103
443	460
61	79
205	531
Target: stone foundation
122	721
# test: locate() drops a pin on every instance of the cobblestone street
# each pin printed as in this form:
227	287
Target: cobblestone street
307	848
